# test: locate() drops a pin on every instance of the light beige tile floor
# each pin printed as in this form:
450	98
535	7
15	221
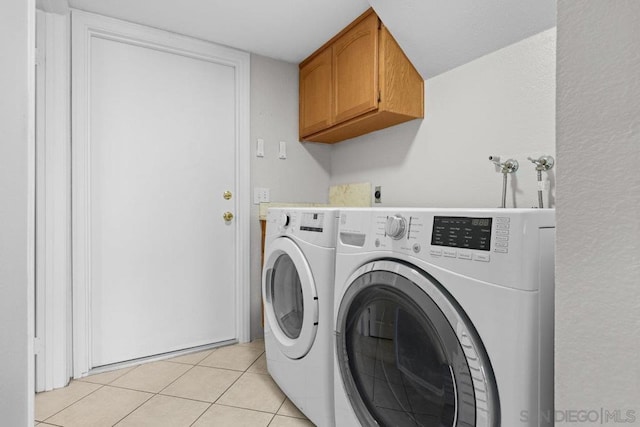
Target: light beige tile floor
228	386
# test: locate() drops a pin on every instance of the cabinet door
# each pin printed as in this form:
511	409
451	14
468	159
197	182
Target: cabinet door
355	76
315	94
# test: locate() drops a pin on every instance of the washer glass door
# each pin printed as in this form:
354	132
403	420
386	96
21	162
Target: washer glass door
407	355
290	296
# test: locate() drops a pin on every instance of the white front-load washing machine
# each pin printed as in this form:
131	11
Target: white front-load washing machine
297	292
444	317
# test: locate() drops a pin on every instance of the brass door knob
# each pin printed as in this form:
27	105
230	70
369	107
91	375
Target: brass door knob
228	216
227	195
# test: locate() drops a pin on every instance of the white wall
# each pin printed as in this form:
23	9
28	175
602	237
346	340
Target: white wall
598	234
302	177
500	104
17	22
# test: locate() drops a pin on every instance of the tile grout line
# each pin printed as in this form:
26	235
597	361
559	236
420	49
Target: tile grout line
271	420
176	379
216	367
85	379
48	424
227	389
237	379
83	397
153	394
285	395
71	404
191	354
187	398
200	416
252	410
287	416
290	416
283	402
136	408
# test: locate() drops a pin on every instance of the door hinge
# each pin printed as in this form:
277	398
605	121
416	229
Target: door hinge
39	56
37	346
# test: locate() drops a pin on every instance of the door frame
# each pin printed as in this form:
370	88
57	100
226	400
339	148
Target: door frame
84	28
52	342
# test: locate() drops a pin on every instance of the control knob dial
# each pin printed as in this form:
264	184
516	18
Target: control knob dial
395	227
285	219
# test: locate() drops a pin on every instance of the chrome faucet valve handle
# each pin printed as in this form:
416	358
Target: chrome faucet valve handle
543	163
510	166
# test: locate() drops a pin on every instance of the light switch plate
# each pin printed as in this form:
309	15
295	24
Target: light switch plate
283	150
260	147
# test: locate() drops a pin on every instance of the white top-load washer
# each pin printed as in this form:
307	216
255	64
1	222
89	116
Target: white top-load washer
297	291
444	317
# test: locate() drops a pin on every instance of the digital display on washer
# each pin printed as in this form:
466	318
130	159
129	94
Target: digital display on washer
462	232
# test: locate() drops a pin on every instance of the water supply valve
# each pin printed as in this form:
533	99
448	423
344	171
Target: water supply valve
543	163
508	166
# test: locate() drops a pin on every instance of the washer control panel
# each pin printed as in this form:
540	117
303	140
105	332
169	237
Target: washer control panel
312	221
503	227
462	232
477	235
312	225
488	244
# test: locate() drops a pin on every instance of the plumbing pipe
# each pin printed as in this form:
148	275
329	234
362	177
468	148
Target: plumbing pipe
543	163
506	167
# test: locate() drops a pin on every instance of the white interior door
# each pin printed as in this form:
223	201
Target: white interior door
160	152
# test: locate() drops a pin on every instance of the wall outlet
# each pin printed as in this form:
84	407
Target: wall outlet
261	195
377	194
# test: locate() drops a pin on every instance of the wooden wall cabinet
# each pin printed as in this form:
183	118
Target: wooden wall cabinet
358	82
